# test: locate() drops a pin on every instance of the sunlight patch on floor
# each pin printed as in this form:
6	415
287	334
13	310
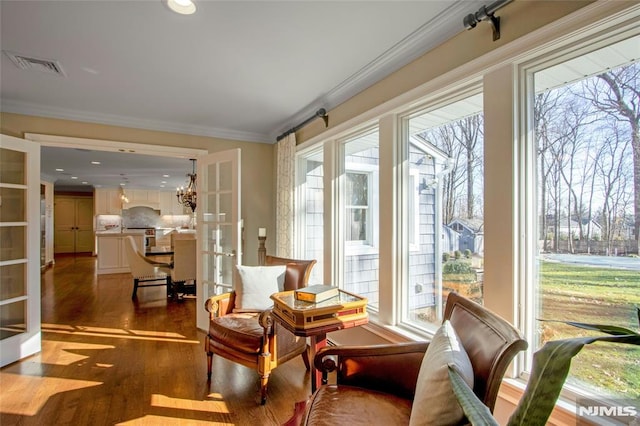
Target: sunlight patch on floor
61	353
159	336
39	389
189	404
157	333
167	421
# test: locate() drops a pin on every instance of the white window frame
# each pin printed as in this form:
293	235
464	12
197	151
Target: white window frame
579	45
413	201
370	243
448	96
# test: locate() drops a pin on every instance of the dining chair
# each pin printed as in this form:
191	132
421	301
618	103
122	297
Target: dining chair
145	272
183	272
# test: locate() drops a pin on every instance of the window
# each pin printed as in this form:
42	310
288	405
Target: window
569	189
310	195
444	243
586	136
357	227
359	201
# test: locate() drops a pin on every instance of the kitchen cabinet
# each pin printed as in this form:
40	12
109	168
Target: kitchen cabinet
107	201
143	197
73	224
112	255
169	203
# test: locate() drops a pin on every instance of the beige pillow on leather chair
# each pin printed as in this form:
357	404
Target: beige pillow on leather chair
434	402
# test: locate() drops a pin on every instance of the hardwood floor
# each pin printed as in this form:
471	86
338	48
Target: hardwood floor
107	360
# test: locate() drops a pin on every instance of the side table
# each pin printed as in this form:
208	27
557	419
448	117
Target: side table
315	320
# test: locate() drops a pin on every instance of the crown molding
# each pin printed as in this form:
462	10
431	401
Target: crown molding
430	35
26	108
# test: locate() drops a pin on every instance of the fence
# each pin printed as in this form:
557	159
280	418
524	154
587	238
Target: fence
602	248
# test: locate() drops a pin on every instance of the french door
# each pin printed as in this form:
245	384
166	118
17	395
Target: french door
19	249
218	226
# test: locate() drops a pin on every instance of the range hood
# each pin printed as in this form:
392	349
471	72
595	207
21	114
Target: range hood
142	203
140	217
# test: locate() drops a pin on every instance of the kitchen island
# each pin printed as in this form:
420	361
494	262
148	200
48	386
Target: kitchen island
112	255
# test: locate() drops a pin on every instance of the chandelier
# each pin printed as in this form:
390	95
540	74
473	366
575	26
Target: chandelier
188	196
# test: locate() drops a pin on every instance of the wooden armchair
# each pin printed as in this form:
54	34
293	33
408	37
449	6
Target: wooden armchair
252	338
377	384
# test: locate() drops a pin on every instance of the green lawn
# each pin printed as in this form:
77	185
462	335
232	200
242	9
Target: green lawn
601	296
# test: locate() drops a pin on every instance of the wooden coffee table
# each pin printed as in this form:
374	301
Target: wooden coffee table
315	320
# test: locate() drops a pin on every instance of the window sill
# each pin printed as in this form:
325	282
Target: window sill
360	250
510	394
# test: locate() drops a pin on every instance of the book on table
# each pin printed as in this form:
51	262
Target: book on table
316	293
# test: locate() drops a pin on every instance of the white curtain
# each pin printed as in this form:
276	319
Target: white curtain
286	150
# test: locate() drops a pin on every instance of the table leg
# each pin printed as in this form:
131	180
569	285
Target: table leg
318	342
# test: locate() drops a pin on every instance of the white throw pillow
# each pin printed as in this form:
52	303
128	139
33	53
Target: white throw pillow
256	284
434	402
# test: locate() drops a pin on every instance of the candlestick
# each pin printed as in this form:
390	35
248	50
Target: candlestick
262	251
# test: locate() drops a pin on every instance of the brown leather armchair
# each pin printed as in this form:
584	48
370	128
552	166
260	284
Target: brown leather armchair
379	382
250	338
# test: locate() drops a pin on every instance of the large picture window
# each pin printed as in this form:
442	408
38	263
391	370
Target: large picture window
587	147
562	191
445	225
360	158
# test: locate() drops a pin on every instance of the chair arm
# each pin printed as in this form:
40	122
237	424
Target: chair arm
221	304
390	368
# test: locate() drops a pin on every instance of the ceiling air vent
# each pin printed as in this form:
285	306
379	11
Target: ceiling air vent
37	64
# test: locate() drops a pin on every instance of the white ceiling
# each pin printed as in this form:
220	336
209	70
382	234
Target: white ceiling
246	70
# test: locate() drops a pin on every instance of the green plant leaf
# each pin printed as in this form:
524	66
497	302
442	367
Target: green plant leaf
477	413
550	369
609	329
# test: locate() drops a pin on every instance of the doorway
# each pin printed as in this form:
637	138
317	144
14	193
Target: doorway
76	240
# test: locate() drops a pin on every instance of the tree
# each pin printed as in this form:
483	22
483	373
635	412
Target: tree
617	94
471	135
545	105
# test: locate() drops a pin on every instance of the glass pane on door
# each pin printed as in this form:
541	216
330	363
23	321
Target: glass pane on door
13	278
14	201
12	166
12	243
13	319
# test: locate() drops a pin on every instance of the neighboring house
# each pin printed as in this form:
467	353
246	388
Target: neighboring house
627	229
591	229
450	239
471	234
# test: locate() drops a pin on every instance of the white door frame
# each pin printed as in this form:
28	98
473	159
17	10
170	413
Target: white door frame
29	342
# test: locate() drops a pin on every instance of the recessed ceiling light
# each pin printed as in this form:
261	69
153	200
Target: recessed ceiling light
165	175
95	162
59	170
74	177
161	186
164	181
123	184
85	183
183	7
